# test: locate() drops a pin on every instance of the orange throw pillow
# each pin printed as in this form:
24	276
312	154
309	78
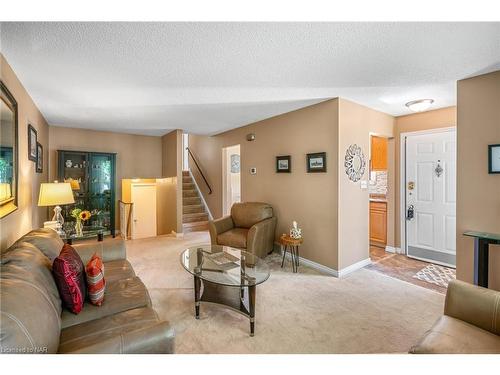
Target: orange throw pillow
95	280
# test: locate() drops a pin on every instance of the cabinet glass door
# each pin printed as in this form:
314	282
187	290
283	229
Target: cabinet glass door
101	190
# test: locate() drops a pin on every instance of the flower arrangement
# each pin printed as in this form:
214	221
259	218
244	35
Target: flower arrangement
85	215
80	215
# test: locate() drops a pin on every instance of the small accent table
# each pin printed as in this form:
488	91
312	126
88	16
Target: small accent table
225	276
482	243
292	244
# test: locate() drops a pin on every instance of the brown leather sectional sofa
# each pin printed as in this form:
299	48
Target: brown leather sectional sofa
470	324
32	317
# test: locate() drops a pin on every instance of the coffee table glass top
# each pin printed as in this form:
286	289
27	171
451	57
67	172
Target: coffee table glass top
225	265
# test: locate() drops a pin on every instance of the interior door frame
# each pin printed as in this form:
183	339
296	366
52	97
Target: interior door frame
402	178
225	176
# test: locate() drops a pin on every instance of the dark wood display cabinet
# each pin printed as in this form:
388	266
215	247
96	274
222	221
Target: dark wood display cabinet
95	173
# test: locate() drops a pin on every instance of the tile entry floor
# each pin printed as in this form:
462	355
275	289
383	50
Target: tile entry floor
400	267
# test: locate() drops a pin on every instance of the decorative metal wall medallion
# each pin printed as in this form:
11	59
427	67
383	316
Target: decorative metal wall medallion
235	163
355	163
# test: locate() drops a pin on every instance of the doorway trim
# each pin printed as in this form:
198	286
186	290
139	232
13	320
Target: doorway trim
402	178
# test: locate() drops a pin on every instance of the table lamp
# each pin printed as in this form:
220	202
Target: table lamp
54	194
75	185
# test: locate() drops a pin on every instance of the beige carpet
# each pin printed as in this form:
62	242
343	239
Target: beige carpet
308	312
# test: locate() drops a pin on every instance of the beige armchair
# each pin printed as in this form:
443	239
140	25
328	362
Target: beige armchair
470	324
250	227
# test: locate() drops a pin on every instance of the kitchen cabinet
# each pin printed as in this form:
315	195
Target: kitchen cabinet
378	223
379	153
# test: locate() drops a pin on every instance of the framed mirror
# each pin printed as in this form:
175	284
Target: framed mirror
8	152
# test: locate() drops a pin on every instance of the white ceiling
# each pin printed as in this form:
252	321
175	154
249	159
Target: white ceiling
148	78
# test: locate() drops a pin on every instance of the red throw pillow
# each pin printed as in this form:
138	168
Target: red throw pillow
95	280
69	275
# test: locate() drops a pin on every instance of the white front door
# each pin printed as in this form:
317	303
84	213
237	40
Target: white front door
431	197
143	210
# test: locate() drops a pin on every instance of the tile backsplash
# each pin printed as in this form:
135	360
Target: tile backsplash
378	182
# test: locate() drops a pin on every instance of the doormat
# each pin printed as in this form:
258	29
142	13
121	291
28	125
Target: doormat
437	275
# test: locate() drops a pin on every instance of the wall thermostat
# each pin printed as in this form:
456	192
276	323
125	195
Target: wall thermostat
253	170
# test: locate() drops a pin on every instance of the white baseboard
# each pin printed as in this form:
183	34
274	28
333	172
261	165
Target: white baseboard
390	249
354	267
330	271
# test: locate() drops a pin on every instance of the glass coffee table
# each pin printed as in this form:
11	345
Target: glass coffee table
225	276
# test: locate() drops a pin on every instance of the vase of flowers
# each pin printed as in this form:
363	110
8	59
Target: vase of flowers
80	216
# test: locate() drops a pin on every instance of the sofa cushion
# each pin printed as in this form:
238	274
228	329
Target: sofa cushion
26	262
246	214
86	334
236	237
69	274
29	323
96	283
46	240
118	269
120	295
454	336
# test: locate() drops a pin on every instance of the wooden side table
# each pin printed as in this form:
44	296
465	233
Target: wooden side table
292	244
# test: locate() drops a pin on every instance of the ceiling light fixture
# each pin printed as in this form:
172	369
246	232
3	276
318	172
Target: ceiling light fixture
420	105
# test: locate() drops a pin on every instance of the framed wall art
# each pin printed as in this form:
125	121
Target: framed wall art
32	140
494	159
316	162
39	158
283	164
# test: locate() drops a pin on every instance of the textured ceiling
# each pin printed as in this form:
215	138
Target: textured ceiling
148	78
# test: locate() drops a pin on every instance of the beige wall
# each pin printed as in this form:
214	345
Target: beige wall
137	156
309	198
332	211
28	215
478	193
356	122
439	118
172	167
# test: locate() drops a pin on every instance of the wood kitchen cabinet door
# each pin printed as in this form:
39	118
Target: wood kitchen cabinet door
378	223
379	154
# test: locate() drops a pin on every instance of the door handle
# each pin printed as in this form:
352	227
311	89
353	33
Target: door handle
410	212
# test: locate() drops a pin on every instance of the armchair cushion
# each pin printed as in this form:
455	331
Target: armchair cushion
236	237
246	214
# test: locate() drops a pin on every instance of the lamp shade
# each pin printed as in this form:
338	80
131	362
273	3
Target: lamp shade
54	194
5	192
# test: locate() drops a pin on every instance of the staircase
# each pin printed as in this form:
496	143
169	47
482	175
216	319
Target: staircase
194	215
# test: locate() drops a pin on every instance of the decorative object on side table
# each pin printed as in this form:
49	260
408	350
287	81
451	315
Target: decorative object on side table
316	162
283	164
354	163
494	159
56	194
39	158
295	231
292	245
32	140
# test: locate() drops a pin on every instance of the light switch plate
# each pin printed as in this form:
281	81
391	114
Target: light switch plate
363	184
253	170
